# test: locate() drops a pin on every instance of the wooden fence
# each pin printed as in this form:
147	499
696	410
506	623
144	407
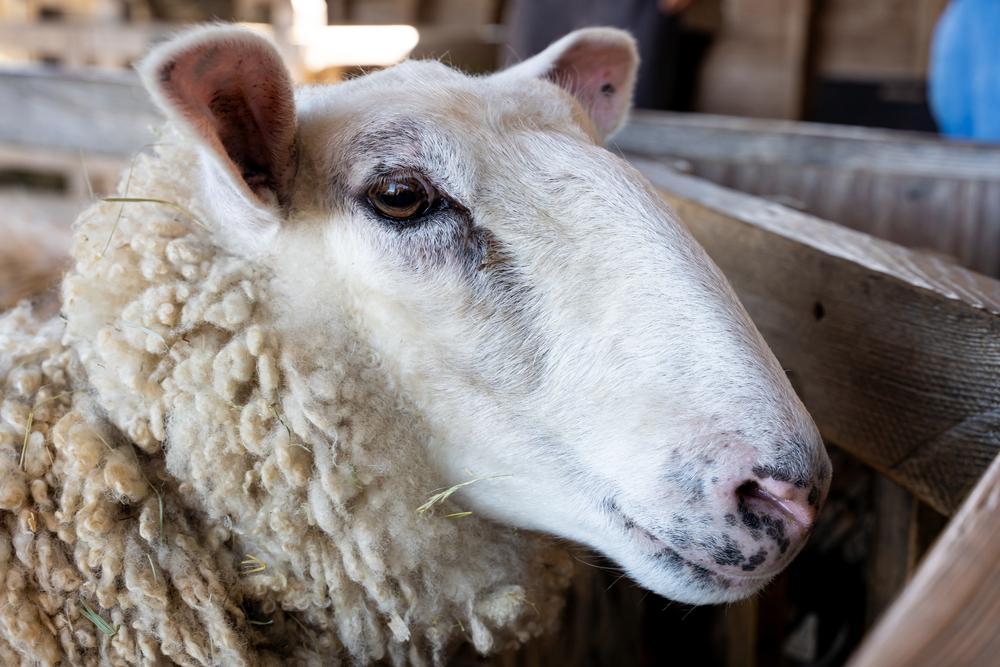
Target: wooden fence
908	188
896	354
895	351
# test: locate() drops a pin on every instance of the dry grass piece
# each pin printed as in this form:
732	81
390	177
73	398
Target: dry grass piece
281	420
443	494
517	597
31	421
125	198
252	565
27	434
147	330
153	200
153	568
97	620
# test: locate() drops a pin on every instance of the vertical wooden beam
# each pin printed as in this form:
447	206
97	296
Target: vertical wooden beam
757	65
799	21
741	620
928	14
893	545
950	612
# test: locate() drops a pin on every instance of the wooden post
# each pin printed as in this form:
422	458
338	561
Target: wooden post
741	633
757	65
950	613
893	545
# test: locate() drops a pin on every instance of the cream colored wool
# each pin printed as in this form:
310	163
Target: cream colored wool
166	378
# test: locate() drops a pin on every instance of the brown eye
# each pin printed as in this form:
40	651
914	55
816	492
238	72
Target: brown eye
403	197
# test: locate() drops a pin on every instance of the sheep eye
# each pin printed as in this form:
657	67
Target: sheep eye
402	197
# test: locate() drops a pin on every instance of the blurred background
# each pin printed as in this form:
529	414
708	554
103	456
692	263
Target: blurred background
734	86
863	62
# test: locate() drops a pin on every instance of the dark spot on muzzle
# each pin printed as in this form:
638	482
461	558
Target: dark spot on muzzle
700	575
764	524
754	561
728	553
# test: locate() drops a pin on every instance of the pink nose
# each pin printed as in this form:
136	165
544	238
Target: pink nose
777	498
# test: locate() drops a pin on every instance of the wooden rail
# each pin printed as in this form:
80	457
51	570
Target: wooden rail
895	353
102	114
912	189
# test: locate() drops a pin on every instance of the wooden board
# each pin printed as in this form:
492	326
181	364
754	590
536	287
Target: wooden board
912	189
950	612
106	114
81	43
895	353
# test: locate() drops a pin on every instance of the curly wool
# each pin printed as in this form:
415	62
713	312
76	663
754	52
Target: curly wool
193	475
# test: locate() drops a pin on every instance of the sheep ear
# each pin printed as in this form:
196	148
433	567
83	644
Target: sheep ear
230	91
595	65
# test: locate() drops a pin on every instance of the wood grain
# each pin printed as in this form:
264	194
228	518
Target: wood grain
912	189
895	353
950	612
104	115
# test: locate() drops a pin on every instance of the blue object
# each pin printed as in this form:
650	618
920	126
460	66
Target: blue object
965	70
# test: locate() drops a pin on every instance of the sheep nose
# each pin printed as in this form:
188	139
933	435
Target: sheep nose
778	498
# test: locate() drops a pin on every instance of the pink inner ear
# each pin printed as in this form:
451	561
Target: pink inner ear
239	99
597	75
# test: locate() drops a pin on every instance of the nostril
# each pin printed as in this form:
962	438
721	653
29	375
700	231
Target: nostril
780	497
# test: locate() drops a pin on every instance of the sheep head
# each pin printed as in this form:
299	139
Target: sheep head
555	330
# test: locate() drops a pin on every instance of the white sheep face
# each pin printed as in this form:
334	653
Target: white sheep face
557	328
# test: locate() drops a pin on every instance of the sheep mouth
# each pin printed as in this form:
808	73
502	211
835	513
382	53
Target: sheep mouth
667	555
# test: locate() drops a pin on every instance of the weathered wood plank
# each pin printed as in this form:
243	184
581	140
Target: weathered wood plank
81	42
759	141
950	612
106	114
896	353
912	189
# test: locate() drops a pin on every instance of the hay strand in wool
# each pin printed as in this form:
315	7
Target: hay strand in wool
97	620
443	494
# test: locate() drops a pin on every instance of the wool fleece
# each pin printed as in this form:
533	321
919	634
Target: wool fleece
176	466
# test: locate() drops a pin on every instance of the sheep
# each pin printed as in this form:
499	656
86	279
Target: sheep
342	365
